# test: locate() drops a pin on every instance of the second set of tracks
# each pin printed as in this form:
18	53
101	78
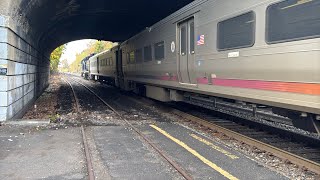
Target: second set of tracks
298	149
303	153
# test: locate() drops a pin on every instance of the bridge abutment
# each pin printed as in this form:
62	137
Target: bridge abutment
24	70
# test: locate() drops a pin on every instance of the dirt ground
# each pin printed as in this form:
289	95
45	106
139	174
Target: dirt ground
46	105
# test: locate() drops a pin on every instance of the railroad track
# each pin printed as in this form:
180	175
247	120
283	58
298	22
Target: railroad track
90	169
263	137
84	138
282	147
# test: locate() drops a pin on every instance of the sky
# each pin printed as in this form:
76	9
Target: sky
73	48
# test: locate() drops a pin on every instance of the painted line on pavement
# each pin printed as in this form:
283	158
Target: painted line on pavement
195	153
214	147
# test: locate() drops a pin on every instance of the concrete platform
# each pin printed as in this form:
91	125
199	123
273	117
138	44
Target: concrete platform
117	153
27	122
202	158
127	157
27	153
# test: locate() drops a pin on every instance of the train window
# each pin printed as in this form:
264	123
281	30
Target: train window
131	57
191	34
139	56
111	61
159	50
293	20
183	39
237	32
147	53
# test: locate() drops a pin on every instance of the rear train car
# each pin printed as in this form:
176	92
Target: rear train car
103	66
259	52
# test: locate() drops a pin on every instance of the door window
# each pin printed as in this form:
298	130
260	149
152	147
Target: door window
183	39
191	37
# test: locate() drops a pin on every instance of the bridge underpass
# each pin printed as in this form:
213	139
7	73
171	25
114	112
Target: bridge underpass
31	29
97	135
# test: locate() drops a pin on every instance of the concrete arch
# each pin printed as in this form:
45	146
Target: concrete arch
31	29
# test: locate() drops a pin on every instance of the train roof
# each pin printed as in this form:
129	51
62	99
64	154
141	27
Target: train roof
168	18
87	58
115	46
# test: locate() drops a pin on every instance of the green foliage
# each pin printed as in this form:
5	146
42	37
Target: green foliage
54	118
64	66
99	46
93	47
55	58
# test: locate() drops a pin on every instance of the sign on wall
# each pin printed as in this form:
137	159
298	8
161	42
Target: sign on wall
3	71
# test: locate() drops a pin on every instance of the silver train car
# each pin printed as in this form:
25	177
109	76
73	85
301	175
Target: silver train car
263	52
103	66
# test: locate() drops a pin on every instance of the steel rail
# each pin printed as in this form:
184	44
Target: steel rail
313	166
161	152
298	160
74	95
84	138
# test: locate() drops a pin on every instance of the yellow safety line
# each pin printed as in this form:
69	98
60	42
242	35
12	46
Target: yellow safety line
214	146
195	153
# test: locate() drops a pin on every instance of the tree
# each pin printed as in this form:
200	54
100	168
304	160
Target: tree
99	46
64	66
55	58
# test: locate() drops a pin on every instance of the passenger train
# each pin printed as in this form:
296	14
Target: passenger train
264	53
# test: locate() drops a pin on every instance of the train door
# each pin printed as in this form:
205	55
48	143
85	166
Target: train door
98	64
119	63
186	51
119	68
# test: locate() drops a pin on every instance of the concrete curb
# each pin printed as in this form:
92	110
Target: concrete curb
30	122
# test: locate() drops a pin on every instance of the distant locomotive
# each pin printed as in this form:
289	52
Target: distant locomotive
257	52
85	67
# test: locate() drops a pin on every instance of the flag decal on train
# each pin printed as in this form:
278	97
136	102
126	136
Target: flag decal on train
200	40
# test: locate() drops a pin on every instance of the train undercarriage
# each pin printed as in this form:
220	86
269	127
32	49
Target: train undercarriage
302	120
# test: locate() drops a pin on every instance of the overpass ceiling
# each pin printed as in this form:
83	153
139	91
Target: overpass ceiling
55	22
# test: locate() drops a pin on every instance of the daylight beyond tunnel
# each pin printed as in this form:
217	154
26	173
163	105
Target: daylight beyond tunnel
52	23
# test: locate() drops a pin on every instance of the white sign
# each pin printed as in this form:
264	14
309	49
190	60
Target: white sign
233	54
173	46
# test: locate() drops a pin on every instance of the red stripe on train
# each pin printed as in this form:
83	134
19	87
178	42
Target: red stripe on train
292	87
